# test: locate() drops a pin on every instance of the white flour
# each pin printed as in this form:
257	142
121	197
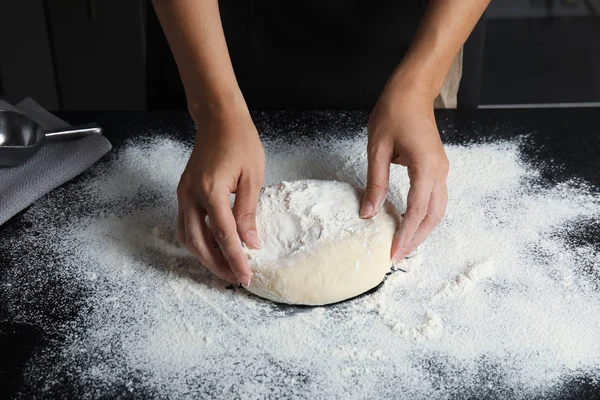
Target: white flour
465	281
504	303
295	222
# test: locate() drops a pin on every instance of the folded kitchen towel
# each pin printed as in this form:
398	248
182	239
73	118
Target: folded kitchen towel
53	165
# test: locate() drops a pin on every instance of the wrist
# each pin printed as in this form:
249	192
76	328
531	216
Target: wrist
407	92
414	84
217	104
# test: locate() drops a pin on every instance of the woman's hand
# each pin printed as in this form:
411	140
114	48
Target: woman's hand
402	130
228	157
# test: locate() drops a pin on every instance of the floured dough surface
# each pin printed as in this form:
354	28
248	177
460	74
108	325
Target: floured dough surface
315	249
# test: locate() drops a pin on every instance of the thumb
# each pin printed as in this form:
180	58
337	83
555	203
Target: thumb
244	211
378	176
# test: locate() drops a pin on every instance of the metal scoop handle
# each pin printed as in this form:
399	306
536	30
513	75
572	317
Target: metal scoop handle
72	132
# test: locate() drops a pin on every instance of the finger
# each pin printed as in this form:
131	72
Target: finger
180	224
417	204
378	175
199	240
210	238
244	211
224	230
435	213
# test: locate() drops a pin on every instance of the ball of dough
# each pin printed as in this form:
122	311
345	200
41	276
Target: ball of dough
315	249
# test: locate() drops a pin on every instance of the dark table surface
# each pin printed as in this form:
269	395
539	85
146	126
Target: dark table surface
563	144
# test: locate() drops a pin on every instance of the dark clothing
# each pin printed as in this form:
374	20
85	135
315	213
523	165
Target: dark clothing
313	54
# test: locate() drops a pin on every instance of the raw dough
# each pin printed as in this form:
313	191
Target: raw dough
315	249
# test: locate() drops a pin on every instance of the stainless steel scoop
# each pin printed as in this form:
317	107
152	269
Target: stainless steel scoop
21	138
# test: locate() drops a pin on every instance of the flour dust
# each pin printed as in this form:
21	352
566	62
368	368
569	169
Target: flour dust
503	303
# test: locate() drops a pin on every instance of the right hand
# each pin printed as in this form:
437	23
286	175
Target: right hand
228	157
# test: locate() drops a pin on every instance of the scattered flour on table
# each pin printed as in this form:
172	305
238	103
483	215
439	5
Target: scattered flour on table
466	280
503	303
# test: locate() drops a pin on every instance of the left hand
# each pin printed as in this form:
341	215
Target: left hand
402	130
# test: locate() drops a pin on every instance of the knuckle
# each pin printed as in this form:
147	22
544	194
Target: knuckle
255	180
215	193
375	150
444	166
244	217
207	186
420	211
196	246
377	186
182	187
435	219
221	235
188	184
445	162
431	161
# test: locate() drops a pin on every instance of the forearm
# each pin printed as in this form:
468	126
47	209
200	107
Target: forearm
444	29
195	35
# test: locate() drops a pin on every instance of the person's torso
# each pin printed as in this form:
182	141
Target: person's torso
316	54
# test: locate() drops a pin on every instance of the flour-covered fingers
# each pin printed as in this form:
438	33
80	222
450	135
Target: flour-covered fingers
244	210
435	213
200	242
417	204
378	175
224	229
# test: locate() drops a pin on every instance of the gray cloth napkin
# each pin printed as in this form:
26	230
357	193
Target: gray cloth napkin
53	164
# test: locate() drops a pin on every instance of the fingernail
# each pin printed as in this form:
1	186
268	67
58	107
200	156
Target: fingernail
399	256
366	209
253	240
245	279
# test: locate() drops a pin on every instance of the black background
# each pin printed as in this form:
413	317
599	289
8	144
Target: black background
108	55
